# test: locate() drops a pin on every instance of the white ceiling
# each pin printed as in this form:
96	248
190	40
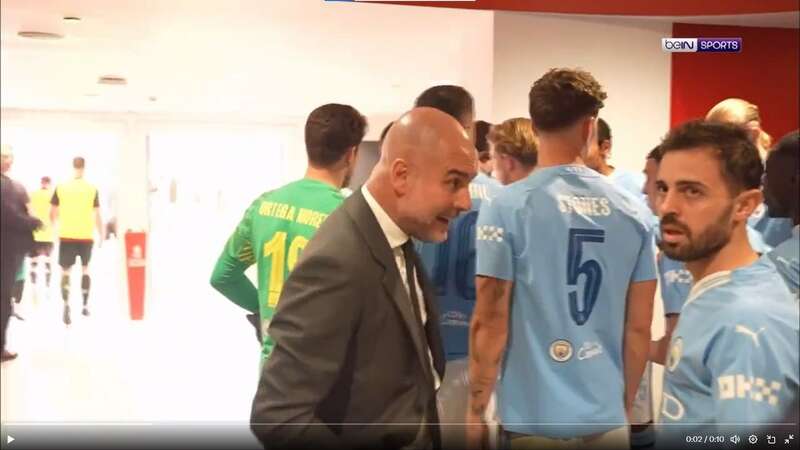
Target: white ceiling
266	57
276	58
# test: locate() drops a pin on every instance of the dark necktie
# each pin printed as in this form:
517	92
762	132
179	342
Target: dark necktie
408	254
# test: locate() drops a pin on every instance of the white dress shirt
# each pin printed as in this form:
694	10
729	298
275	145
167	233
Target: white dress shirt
397	237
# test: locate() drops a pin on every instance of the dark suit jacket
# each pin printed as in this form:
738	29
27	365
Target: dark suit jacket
350	365
16	228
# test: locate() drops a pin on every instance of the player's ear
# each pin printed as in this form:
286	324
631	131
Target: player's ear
588	129
747	202
398	175
351	155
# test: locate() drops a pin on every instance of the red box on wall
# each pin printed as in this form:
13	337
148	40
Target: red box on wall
136	263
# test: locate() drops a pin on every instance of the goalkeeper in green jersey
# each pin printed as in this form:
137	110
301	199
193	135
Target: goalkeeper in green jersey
279	223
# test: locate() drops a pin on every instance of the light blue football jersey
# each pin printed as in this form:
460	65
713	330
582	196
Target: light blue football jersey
572	243
676	282
774	230
631	182
786	258
451	267
733	357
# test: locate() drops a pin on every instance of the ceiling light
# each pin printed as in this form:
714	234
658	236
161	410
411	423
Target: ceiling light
40	35
113	80
72	19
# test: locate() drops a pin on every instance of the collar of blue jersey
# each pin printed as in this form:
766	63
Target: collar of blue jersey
394	234
708	282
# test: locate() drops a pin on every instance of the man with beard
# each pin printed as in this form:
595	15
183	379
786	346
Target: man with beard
781	184
733	357
278	224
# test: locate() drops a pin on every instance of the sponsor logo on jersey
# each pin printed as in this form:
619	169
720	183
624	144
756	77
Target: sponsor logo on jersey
490	233
589	350
747	387
671	407
675	353
682	276
455	319
561	350
752	334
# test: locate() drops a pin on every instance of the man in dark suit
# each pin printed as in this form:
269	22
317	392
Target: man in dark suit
358	356
16	238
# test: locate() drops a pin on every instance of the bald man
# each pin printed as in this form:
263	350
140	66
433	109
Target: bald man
356	336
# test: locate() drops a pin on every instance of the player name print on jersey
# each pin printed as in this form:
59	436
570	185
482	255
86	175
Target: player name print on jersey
588	206
288	212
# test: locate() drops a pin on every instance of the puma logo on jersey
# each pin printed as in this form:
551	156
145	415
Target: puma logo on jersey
748	332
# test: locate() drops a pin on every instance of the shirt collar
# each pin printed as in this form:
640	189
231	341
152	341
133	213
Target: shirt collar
393	233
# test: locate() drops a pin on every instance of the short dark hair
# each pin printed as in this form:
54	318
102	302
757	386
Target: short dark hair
741	165
789	146
655	154
331	130
78	162
603	131
453	100
482	128
562	96
386	130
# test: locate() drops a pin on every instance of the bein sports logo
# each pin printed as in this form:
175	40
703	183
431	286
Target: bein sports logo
702	45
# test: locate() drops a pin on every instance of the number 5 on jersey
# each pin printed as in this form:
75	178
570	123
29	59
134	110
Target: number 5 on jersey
275	249
580	311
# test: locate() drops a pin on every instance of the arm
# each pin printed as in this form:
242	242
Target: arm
12	217
639	317
659	348
638	320
488	335
54	202
228	275
315	319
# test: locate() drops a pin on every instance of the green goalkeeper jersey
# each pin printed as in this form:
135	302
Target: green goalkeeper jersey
275	229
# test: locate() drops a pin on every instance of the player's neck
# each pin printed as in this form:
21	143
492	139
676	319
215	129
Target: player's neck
736	254
325	176
558	155
607	170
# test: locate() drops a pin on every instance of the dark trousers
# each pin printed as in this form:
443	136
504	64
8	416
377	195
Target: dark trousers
9	264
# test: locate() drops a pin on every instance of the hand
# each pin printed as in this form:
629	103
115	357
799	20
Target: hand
36	224
477	432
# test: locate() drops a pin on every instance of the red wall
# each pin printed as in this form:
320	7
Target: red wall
765	73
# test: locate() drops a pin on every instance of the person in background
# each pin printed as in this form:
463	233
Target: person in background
279	223
451	267
75	207
452	100
16	238
513	150
356	330
485	161
43	237
575	348
745	114
597	159
733	356
781	187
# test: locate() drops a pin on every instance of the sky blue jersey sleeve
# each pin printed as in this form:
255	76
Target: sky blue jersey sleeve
753	380
645	269
493	245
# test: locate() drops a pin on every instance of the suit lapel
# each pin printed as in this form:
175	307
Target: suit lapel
392	282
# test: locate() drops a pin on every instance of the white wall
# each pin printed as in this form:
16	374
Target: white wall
624	55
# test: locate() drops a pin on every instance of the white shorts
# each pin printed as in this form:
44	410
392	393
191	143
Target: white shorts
643	403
